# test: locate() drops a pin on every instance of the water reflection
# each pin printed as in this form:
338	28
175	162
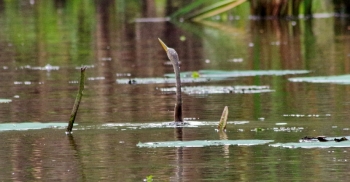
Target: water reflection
105	35
77	157
180	153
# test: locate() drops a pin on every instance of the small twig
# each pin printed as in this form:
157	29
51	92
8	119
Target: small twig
77	101
223	120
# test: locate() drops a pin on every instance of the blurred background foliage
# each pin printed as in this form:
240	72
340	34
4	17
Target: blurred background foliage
44	26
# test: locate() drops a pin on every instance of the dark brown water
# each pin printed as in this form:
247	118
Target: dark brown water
44	43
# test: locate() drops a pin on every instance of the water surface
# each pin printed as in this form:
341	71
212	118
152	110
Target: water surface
44	44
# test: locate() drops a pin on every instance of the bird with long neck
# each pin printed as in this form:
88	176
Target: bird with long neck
174	59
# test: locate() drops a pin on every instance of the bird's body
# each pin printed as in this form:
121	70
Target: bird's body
174	59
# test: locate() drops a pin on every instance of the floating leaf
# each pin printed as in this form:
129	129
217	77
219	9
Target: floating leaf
159	80
30	126
306	115
187	124
195	74
258	129
149	178
312	144
239	89
203	143
227	74
340	79
48	67
281	123
207	75
5	100
223	120
315	143
96	78
287	129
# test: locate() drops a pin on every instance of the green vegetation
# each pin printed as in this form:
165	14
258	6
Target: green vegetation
203	143
29	126
200	10
149	178
336	79
44	29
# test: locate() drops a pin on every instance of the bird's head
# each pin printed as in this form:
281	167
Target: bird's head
172	54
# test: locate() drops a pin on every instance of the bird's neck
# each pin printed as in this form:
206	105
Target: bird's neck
178	105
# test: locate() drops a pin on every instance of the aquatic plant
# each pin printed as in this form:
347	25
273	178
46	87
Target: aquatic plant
316	142
203	143
224	74
336	79
5	100
29	126
149	178
206	90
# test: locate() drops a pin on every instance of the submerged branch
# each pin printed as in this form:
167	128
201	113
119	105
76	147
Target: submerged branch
77	101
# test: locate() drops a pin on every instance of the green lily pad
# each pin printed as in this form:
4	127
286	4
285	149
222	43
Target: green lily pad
47	67
314	144
203	143
186	124
228	74
5	100
207	75
30	126
239	89
339	79
159	80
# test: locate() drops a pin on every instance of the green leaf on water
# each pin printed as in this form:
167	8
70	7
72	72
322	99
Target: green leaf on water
205	90
339	79
258	129
30	126
159	80
207	75
149	178
317	144
223	120
5	100
195	74
186	124
203	143
211	74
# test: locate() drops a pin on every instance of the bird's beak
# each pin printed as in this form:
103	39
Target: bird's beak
163	45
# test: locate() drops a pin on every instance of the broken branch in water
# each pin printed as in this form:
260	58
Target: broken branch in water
77	101
223	120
